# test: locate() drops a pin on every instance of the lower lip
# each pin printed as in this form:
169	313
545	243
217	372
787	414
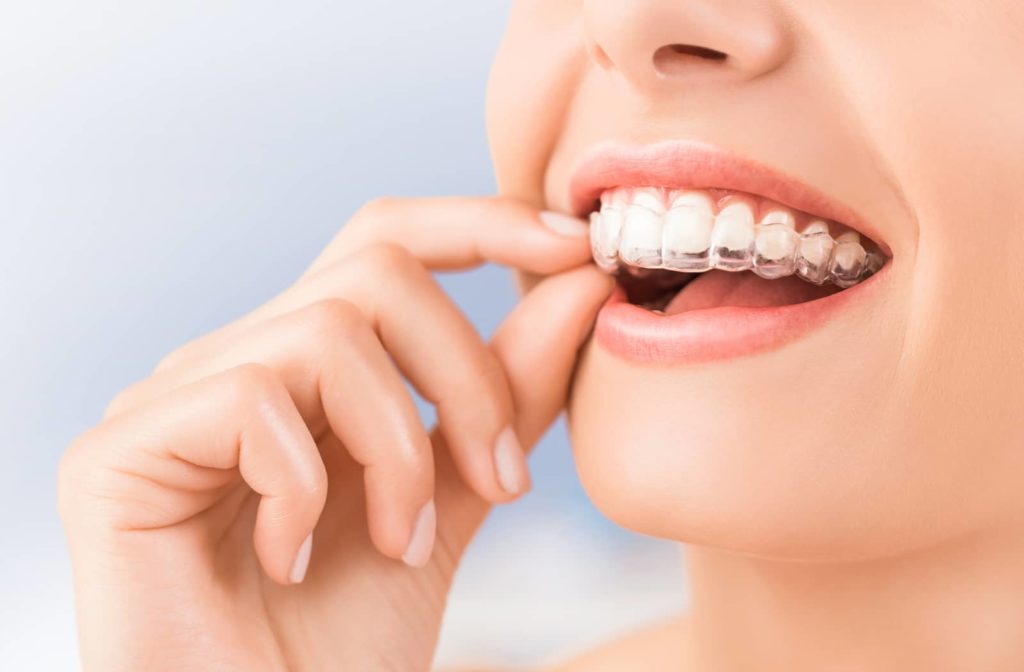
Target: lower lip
638	335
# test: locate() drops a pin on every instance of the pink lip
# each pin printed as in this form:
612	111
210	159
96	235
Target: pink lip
712	334
699	165
639	335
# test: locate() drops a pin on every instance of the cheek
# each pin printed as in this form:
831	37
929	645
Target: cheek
531	87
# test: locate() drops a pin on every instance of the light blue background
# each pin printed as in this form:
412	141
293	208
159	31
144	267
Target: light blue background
165	167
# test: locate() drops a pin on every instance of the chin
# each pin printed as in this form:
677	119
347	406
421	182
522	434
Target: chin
788	452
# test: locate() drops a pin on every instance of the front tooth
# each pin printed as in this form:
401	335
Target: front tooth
686	235
732	238
848	260
641	237
651	198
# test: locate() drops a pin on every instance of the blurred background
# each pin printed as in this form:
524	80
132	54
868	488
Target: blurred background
167	166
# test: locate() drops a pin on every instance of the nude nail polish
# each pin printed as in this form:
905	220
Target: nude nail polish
421	541
301	562
510	462
564	224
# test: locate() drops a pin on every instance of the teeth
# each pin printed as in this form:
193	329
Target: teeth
651	228
779	216
848	260
641	237
732	238
651	198
686	235
605	236
775	245
815	251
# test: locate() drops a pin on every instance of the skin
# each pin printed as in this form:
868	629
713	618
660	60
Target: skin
850	501
861	485
187	507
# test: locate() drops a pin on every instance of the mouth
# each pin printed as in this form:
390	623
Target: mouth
716	256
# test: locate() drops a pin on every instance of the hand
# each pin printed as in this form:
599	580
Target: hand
190	510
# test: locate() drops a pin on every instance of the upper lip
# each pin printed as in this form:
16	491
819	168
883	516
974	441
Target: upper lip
693	164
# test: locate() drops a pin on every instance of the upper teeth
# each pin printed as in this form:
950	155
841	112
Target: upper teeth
683	230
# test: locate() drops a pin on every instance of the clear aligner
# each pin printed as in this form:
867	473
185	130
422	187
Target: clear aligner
681	231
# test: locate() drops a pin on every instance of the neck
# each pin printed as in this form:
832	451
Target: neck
959	607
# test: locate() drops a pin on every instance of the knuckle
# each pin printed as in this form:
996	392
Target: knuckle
121	402
313	484
417	460
483	377
377	208
389	259
490	371
170	360
253	383
481	385
181	354
70	473
331	319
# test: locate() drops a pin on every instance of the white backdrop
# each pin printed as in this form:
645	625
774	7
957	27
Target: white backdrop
166	166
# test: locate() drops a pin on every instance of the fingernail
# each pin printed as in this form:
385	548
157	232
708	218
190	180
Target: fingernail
510	462
421	542
301	563
564	224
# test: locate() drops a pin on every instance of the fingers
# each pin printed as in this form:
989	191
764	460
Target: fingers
445	233
166	462
433	344
444	358
333	359
539	363
454	232
339	358
335	368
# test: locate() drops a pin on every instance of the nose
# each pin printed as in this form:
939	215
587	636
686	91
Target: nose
657	43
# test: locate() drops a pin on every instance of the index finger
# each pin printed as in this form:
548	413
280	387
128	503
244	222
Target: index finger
457	232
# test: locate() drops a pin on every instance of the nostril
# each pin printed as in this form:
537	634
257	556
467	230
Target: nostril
677	58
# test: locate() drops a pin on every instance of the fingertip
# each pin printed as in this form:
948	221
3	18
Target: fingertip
564	225
301	562
596	280
542	242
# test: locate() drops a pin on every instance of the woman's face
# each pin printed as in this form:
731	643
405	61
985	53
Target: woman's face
893	419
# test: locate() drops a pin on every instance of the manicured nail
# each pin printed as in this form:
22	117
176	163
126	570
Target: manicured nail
421	541
510	462
301	563
564	224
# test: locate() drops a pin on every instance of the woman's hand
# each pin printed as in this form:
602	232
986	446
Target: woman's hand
190	510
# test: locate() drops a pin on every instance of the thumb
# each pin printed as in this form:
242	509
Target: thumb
538	342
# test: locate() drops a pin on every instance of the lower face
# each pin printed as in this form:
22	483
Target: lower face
779	417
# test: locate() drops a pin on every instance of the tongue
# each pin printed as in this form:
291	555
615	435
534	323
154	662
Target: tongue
715	289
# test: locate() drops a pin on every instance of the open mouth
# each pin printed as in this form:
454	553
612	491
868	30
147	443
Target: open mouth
676	250
717	255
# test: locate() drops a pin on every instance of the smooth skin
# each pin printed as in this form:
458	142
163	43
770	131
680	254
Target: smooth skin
851	501
189	509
